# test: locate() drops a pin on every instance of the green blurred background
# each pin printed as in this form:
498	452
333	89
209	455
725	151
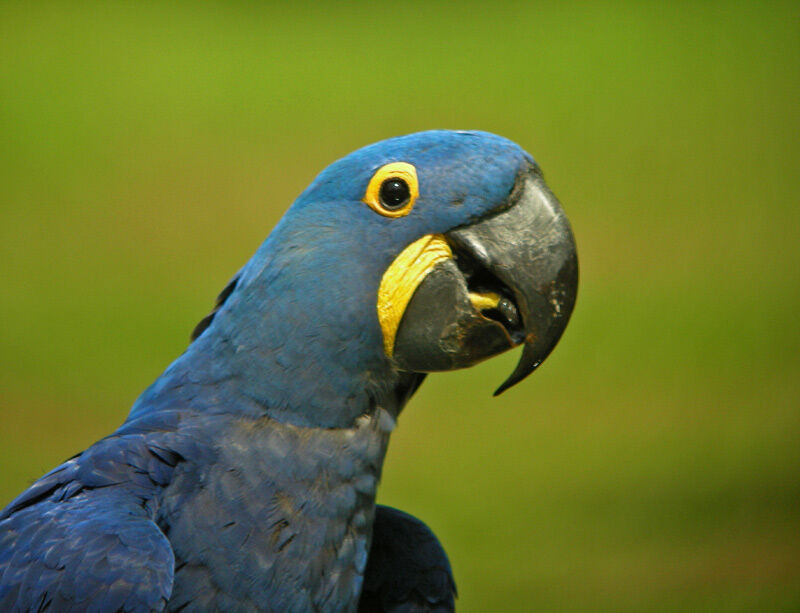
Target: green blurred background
653	464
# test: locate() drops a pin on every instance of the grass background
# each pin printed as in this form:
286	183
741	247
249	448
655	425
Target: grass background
653	464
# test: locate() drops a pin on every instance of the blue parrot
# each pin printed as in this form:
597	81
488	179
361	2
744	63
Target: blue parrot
244	478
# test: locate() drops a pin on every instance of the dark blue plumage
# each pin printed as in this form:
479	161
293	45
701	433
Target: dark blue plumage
408	570
244	478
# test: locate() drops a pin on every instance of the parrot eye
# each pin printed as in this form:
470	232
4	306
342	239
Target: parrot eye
393	190
394	193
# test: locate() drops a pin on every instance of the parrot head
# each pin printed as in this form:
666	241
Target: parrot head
422	253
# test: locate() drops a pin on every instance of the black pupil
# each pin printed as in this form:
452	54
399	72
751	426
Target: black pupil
394	193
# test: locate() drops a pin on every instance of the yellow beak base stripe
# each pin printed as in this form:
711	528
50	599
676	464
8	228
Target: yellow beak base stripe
401	280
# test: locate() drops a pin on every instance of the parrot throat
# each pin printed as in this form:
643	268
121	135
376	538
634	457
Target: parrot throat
219	374
293	338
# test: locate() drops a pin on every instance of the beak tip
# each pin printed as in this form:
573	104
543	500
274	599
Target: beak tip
525	366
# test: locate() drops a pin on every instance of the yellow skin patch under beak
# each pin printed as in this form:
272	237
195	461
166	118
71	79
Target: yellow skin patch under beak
401	280
404	275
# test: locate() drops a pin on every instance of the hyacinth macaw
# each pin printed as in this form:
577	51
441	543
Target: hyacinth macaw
244	477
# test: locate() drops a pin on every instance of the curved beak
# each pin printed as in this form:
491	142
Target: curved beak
511	279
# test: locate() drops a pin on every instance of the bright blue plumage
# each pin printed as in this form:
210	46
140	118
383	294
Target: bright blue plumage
245	477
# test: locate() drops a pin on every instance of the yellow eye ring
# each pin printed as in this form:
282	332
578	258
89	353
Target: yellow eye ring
393	189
